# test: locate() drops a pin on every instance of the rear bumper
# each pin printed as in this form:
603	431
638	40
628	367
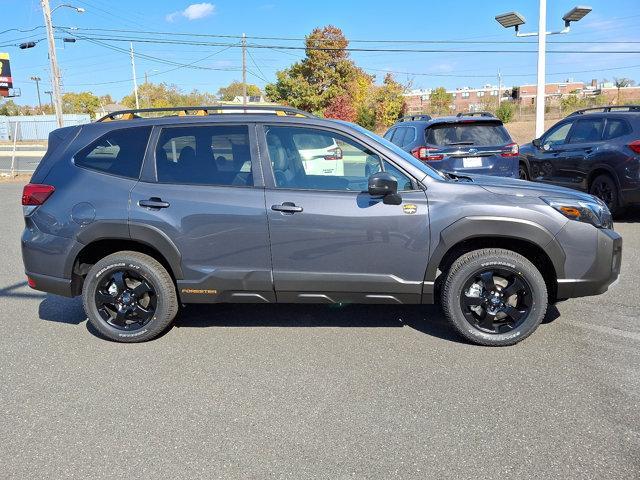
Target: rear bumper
495	166
603	272
55	285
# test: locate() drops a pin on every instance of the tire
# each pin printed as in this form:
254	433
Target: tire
522	172
518	314
129	297
604	187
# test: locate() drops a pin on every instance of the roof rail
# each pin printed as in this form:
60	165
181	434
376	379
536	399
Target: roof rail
476	114
415	118
134	113
608	108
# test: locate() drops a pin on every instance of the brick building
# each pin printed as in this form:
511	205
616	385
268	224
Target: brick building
465	99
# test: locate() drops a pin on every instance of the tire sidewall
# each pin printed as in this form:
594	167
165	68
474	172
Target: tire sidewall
538	293
614	189
97	274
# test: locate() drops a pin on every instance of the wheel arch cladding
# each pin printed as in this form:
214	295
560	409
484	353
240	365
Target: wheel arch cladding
531	240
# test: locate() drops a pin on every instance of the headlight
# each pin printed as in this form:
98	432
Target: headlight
594	212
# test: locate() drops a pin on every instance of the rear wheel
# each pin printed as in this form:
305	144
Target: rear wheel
494	297
605	188
129	297
522	172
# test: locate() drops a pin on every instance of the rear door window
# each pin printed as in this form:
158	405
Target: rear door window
616	128
398	137
587	130
119	152
480	134
204	155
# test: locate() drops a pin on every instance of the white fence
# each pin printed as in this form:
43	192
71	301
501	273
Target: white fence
35	127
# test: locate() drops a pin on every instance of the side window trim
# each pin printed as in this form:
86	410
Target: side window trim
265	160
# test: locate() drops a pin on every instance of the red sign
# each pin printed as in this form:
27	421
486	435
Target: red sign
6	82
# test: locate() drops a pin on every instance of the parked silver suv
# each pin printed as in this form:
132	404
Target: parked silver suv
217	204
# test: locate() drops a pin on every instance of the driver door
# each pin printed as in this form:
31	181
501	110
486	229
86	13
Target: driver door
546	159
332	242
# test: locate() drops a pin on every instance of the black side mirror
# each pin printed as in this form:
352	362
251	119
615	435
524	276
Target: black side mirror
536	142
382	184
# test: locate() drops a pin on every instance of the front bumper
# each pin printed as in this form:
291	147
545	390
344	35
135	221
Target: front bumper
601	273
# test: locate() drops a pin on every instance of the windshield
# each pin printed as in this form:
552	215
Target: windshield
483	134
406	156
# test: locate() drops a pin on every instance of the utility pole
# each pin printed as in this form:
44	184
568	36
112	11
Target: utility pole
50	93
133	69
244	70
499	88
37	80
53	60
542	48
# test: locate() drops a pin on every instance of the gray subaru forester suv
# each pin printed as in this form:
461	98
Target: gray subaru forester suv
141	214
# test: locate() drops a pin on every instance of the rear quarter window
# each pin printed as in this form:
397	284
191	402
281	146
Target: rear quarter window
481	134
119	152
616	128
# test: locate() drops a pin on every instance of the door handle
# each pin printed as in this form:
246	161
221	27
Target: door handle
287	208
154	202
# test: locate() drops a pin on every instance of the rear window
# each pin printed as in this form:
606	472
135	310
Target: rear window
481	134
119	152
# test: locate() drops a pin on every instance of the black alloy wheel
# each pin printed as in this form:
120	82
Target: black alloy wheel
605	189
496	300
126	300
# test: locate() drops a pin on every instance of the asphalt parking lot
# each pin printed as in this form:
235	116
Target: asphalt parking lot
316	392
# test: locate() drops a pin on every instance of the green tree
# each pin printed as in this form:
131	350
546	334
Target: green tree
505	111
10	108
160	95
325	73
440	101
234	89
83	102
389	102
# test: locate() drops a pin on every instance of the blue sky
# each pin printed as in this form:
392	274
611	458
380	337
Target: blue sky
87	66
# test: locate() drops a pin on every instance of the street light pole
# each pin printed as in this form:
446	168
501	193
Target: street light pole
542	50
50	93
244	70
53	60
37	80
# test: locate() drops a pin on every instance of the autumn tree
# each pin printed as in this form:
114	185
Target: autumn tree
389	102
325	73
440	101
234	89
161	95
342	108
82	102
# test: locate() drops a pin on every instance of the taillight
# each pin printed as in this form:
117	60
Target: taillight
427	154
635	146
510	150
35	194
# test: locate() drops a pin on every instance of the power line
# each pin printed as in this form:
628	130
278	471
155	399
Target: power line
348	49
436	42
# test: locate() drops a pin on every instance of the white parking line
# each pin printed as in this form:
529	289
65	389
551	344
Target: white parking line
607	330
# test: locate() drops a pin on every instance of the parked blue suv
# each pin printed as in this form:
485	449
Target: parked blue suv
474	143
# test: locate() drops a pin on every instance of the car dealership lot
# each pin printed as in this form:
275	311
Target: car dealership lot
316	391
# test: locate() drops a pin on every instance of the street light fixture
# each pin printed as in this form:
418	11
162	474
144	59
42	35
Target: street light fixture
514	19
575	14
37	80
77	9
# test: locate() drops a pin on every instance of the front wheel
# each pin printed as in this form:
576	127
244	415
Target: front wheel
494	297
129	297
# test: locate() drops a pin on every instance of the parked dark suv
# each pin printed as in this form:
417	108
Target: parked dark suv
596	150
223	204
466	143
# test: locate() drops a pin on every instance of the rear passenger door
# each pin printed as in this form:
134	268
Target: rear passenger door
199	190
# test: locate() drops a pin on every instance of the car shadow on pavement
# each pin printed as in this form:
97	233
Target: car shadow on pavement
427	319
14	291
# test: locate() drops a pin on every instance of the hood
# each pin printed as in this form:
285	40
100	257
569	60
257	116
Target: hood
524	188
